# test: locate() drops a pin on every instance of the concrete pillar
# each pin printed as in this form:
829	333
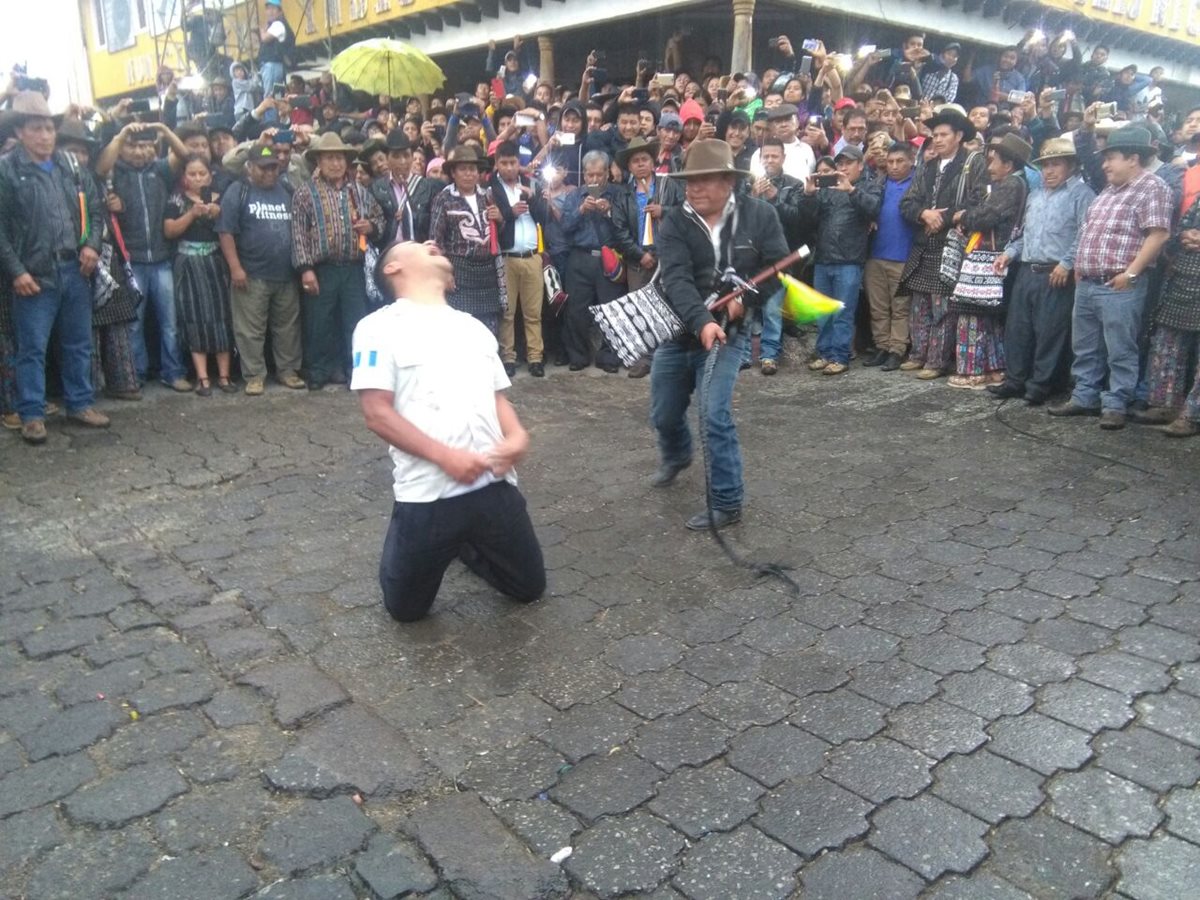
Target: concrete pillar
546	58
743	36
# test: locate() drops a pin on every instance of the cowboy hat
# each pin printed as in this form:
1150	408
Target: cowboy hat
397	140
1057	148
902	92
26	105
1130	139
464	155
72	131
637	144
708	157
1011	146
329	142
953	115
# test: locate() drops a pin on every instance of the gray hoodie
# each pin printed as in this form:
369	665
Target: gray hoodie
243	90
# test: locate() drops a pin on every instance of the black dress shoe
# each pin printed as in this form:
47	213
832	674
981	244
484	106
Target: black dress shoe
1111	420
510	369
1032	398
611	369
560	360
577	367
721	518
892	363
878	358
666	474
537	370
1071	408
1005	391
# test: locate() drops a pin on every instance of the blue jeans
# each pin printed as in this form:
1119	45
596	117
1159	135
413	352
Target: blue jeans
841	282
158	288
270	74
66	302
677	370
1104	336
770	344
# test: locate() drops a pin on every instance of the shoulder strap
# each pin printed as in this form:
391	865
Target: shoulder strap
963	175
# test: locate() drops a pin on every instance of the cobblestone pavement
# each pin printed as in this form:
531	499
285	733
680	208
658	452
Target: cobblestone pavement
987	688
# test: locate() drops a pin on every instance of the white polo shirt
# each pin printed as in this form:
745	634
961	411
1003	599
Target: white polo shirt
443	370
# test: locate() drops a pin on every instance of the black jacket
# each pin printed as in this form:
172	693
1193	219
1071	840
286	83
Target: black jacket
420	198
842	220
508	223
920	196
751	241
628	240
29	197
144	194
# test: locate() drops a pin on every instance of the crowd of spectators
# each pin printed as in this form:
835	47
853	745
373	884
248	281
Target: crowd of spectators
1024	221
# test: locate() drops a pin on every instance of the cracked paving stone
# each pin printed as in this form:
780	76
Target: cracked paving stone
811	814
28	834
1103	804
129	794
937	729
319	887
1031	663
151	739
1183	810
720	663
745	864
690	739
643	653
69	635
349	750
655	694
895	682
746	703
839	716
218	874
117	679
804	672
1173	713
513	773
1085	705
393	869
878	769
585	729
861	873
543	826
1164	868
232	707
626	854
44	782
606	785
1041	743
1151	759
1050	858
298	689
943	653
227	814
83	868
1123	672
988	786
476	855
173	691
699	801
929	836
775	753
73	730
314	834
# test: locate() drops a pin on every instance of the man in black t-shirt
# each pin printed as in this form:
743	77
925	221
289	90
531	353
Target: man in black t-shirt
255	231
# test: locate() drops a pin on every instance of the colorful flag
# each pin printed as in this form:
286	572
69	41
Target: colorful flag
803	304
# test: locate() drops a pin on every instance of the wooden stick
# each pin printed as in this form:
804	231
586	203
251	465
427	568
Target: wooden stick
794	257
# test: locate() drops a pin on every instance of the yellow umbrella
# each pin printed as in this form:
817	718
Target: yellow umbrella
386	66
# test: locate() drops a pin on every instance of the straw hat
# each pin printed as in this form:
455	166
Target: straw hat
1057	148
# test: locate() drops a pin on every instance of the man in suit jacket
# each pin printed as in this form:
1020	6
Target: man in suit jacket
518	240
404	197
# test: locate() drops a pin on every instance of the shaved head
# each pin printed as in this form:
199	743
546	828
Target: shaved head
406	268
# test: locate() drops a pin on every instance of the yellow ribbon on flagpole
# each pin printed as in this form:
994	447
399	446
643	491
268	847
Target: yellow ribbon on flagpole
803	304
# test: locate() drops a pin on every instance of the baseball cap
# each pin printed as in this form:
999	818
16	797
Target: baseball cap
782	111
849	152
670	120
264	156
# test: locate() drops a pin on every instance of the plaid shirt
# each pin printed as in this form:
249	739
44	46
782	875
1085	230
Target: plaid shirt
1116	225
322	219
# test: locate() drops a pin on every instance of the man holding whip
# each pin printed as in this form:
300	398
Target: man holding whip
714	242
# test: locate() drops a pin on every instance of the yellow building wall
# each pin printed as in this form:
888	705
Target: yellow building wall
114	73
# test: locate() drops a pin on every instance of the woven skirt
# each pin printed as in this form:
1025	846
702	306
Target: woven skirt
202	303
1179	303
478	286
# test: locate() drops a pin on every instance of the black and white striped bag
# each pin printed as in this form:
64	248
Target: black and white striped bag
636	324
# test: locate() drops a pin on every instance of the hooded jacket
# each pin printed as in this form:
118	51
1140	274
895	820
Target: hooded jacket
569	160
